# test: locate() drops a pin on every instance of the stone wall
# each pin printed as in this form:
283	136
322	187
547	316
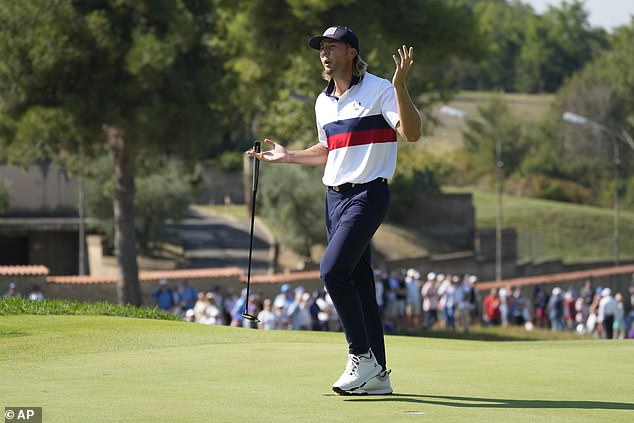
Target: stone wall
222	187
449	217
42	189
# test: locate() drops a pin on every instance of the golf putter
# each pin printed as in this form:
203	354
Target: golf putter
256	171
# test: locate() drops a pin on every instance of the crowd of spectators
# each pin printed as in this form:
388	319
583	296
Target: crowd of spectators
295	309
409	302
591	311
35	294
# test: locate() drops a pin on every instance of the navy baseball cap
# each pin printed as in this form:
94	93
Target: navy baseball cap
339	33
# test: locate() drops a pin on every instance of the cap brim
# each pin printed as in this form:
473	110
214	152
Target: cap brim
315	42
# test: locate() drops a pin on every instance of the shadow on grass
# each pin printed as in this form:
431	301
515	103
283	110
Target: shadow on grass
494	333
477	402
473	336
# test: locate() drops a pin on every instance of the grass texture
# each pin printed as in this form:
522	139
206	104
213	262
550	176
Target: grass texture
19	305
113	369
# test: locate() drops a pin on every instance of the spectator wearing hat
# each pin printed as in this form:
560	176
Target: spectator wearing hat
284	299
465	301
607	310
164	296
200	307
299	312
447	293
212	314
12	292
413	299
429	292
503	294
619	317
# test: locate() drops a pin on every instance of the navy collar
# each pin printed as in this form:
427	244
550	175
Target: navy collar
330	88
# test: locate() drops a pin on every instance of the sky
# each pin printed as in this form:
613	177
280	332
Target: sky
605	13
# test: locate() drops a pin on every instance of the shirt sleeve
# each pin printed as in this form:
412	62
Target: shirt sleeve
321	133
389	108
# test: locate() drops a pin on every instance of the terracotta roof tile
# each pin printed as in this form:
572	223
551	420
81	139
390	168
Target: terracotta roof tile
558	277
146	276
284	277
33	270
80	280
204	273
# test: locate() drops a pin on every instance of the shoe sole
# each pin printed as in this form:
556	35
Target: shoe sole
341	391
362	392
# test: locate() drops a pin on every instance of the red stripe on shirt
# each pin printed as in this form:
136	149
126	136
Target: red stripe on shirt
371	136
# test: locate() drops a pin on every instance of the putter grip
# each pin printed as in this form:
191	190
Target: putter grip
256	166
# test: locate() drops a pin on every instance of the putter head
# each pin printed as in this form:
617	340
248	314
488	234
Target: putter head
251	318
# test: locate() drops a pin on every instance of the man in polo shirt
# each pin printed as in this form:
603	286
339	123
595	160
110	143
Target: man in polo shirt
358	116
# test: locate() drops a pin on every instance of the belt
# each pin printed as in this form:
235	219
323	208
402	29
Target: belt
348	186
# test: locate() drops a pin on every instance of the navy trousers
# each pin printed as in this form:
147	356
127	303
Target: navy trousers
352	218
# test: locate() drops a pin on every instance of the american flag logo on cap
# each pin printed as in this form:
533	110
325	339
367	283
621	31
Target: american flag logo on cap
330	31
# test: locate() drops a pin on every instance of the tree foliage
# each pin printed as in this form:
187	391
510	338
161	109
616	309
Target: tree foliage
164	194
277	76
602	92
494	123
130	78
557	44
292	200
527	52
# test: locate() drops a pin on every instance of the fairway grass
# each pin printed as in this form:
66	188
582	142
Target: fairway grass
113	369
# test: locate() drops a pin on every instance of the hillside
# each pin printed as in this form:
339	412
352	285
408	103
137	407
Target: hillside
447	134
551	229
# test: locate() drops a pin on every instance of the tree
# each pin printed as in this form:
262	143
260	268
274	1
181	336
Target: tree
291	199
602	91
503	28
131	78
276	75
557	44
163	194
527	52
494	122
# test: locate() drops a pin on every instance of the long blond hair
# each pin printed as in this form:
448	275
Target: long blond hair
359	67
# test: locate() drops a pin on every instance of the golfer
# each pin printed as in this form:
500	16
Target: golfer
358	116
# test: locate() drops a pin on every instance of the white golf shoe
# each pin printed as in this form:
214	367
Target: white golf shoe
359	370
378	385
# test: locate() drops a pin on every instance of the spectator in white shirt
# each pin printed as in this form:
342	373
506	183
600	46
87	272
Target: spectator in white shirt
607	310
268	319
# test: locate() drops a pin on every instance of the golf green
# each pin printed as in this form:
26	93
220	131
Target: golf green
112	369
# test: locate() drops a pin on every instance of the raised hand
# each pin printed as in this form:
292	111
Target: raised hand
277	152
404	62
